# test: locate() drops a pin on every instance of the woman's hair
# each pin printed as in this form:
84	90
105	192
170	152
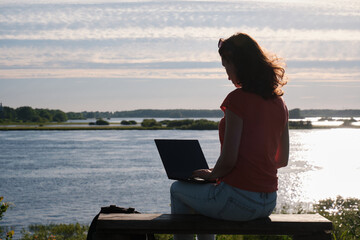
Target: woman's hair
256	72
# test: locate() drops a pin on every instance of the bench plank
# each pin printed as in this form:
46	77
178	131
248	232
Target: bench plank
300	225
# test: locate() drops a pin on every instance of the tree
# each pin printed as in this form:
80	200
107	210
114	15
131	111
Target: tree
59	116
295	114
25	114
8	114
44	114
74	115
28	114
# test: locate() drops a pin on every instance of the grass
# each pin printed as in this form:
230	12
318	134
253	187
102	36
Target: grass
343	212
79	232
56	232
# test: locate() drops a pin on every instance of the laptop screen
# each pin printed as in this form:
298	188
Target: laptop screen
181	157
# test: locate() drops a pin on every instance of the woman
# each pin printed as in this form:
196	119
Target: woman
254	140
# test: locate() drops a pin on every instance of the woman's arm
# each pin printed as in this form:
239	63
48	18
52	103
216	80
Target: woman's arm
282	155
228	157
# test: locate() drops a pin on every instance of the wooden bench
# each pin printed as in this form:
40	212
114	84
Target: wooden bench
299	226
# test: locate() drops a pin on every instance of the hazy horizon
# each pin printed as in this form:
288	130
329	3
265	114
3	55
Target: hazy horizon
117	56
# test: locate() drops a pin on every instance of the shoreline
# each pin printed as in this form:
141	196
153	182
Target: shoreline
153	124
61	127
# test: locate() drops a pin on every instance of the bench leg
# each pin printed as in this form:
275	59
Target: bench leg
314	236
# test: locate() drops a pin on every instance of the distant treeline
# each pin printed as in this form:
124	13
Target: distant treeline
325	113
149	113
186	113
28	114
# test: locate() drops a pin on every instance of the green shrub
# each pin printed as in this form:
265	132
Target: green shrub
251	237
56	232
125	122
229	237
150	123
180	123
190	124
300	124
344	214
203	124
3	208
101	122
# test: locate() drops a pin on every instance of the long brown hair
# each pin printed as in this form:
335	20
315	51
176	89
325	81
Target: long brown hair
255	71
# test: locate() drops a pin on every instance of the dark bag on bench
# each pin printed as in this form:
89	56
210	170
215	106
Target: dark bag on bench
114	209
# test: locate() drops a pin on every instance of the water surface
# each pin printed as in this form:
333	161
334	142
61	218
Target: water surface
66	176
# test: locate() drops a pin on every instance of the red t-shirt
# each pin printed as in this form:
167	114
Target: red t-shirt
263	124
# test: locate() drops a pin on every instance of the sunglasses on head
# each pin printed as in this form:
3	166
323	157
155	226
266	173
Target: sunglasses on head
220	43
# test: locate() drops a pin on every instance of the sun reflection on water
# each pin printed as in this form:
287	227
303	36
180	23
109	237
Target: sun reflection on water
323	163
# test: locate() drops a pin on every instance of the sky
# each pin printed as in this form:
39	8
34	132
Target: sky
94	55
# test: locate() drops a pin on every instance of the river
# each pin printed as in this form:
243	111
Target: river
66	176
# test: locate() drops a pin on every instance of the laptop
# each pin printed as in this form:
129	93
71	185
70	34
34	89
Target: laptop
181	157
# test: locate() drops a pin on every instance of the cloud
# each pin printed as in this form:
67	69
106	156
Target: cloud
283	35
326	75
80	33
144	74
169	43
295	86
99	20
308	97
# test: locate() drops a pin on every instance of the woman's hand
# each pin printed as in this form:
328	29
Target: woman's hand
203	174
